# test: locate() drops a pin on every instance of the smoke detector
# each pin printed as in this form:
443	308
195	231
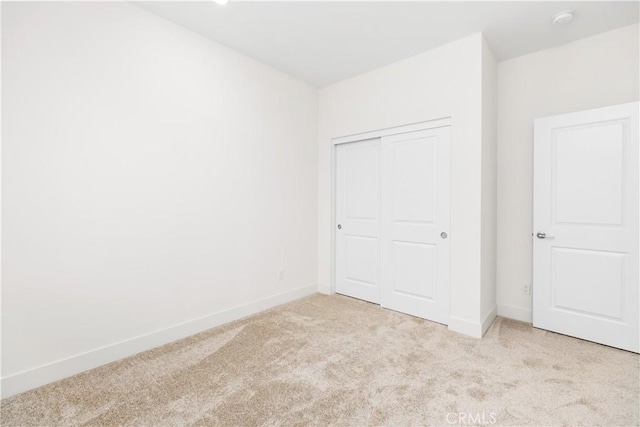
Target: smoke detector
563	17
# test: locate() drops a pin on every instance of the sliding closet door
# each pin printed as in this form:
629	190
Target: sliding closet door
358	220
415	223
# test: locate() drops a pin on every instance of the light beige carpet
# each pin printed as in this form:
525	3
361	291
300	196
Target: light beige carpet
334	360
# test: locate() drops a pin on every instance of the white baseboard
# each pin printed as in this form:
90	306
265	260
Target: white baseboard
488	319
515	313
465	327
472	329
324	289
45	374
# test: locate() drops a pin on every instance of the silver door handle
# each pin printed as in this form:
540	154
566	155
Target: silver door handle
541	235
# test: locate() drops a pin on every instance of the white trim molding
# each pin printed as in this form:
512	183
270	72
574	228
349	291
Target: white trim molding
465	327
516	313
325	289
472	329
395	130
488	319
45	374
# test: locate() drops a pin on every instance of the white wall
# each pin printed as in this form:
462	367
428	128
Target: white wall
489	185
442	82
589	73
150	177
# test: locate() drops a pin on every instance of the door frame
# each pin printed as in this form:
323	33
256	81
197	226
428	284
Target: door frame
395	130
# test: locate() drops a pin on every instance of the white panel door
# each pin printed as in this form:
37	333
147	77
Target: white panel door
585	279
358	220
415	223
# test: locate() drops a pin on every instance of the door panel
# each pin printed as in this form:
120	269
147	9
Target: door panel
361	168
415	269
586	204
357	215
578	274
415	210
588	174
414	195
362	258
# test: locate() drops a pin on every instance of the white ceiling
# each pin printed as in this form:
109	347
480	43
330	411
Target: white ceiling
325	42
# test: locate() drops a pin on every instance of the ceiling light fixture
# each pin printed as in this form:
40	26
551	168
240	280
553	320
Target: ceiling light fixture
562	17
221	2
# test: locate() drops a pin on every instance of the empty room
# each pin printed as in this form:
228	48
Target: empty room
313	213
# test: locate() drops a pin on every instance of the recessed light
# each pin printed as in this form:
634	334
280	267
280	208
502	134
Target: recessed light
562	17
221	2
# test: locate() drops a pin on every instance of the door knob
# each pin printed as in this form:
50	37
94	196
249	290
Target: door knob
339	226
443	235
541	235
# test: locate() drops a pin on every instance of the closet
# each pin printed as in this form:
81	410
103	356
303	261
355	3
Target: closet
392	219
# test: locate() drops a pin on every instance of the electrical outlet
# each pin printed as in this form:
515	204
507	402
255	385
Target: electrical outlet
526	289
281	275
